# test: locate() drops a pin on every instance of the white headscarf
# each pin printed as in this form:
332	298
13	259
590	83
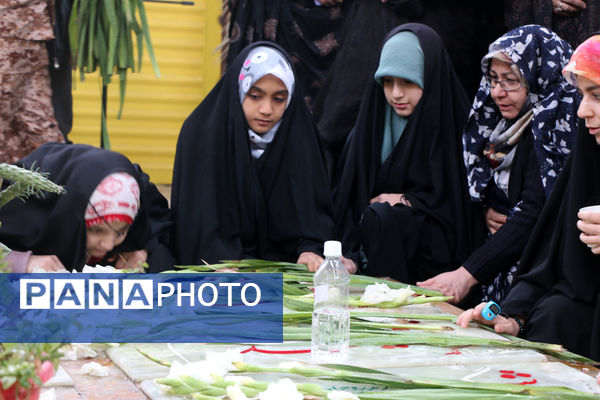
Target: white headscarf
262	61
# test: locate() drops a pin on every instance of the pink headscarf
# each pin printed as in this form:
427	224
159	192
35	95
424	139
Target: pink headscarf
116	198
585	62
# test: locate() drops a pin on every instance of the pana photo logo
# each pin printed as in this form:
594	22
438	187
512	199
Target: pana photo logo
141	308
134	294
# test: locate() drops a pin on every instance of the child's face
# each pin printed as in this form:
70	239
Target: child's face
589	108
401	94
509	102
103	237
265	103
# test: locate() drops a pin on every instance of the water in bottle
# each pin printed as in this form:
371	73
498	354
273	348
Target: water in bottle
331	317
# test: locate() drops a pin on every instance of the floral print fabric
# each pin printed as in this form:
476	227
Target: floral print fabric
540	56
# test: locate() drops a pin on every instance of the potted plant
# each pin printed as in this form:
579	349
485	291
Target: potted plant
24	367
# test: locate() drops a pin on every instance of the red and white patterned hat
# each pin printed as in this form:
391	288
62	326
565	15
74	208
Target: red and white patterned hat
116	198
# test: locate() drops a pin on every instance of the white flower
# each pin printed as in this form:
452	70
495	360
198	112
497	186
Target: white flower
104	269
94	369
224	360
284	389
234	392
215	364
380	292
200	370
76	351
341	395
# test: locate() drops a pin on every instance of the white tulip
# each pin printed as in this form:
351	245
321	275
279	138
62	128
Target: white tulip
380	292
283	389
234	392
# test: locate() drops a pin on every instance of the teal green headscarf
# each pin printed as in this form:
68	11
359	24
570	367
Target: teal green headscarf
401	57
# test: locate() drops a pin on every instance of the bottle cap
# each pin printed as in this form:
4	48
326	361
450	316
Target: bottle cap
332	248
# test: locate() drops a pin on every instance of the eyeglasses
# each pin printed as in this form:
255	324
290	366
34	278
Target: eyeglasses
508	85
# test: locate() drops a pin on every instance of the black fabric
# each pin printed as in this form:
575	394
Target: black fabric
60	67
426	165
55	224
337	104
556	267
573	28
310	34
229	206
504	248
466	28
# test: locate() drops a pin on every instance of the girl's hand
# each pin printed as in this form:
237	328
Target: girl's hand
392	199
311	260
131	260
350	265
48	263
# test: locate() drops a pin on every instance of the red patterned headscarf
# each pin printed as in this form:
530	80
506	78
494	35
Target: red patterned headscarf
116	198
585	62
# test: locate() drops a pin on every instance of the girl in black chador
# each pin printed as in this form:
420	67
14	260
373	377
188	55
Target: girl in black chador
110	214
400	196
249	180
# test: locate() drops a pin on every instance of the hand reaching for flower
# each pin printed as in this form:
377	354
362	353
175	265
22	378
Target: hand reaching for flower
455	283
47	263
132	260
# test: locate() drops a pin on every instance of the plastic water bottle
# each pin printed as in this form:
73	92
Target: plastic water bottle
331	317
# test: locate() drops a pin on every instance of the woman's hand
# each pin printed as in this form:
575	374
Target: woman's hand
391	198
311	260
455	283
47	263
568	8
131	260
499	323
589	225
494	220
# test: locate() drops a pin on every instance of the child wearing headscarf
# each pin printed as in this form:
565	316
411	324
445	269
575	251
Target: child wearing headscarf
249	179
556	297
519	133
400	196
110	213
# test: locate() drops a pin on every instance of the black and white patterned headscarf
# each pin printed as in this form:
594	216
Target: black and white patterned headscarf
540	56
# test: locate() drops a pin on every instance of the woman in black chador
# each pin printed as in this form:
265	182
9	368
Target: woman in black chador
401	196
556	297
249	179
519	133
110	214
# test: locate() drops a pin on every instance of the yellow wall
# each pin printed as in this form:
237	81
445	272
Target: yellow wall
185	39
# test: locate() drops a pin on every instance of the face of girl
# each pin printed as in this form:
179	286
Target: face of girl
510	103
589	108
401	94
265	103
103	237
